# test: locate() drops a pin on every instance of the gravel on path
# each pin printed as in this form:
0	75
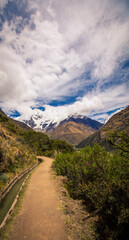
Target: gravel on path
40	217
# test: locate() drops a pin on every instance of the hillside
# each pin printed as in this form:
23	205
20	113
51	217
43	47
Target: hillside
15	156
21	124
118	122
19	147
73	130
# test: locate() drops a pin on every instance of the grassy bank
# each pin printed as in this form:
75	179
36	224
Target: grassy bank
19	146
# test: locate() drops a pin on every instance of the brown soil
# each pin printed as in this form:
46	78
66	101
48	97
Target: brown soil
71	132
40	217
75	213
48	212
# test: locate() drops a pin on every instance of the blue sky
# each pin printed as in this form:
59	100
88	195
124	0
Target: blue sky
64	57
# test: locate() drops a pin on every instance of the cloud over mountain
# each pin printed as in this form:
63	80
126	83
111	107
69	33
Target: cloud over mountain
59	50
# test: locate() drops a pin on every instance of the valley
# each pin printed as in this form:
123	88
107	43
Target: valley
72	130
91	174
64	120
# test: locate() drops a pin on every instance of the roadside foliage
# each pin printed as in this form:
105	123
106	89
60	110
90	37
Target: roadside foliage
19	147
101	180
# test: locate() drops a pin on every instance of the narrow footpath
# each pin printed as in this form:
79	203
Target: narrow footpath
40	217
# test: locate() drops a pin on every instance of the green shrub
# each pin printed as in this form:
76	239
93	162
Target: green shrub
4	178
102	181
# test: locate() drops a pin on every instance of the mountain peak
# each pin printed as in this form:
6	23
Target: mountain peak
37	121
72	129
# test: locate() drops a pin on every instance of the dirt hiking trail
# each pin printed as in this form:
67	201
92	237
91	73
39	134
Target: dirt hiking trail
40	217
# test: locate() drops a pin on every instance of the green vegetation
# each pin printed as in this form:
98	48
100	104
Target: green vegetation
101	179
10	197
19	147
14	157
4	232
43	145
119	122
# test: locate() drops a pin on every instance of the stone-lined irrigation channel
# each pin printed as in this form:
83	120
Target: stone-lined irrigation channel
11	195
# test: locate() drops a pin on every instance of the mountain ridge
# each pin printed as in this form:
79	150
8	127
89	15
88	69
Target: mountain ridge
118	122
73	129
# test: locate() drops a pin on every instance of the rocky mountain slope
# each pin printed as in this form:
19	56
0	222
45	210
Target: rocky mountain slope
118	122
73	129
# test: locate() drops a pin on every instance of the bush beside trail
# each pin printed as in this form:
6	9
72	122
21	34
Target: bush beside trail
19	147
101	179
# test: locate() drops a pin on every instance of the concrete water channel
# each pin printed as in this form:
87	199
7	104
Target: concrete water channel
7	202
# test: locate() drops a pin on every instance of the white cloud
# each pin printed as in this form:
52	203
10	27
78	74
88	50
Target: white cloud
14	82
57	114
69	38
104	117
88	105
109	116
112	99
3	3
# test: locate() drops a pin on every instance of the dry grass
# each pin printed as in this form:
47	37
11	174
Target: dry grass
74	212
14	156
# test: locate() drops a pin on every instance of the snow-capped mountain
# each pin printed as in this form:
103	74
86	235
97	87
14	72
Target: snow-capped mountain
73	129
38	122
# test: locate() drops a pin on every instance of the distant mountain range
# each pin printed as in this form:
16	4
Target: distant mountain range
78	130
118	122
73	129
